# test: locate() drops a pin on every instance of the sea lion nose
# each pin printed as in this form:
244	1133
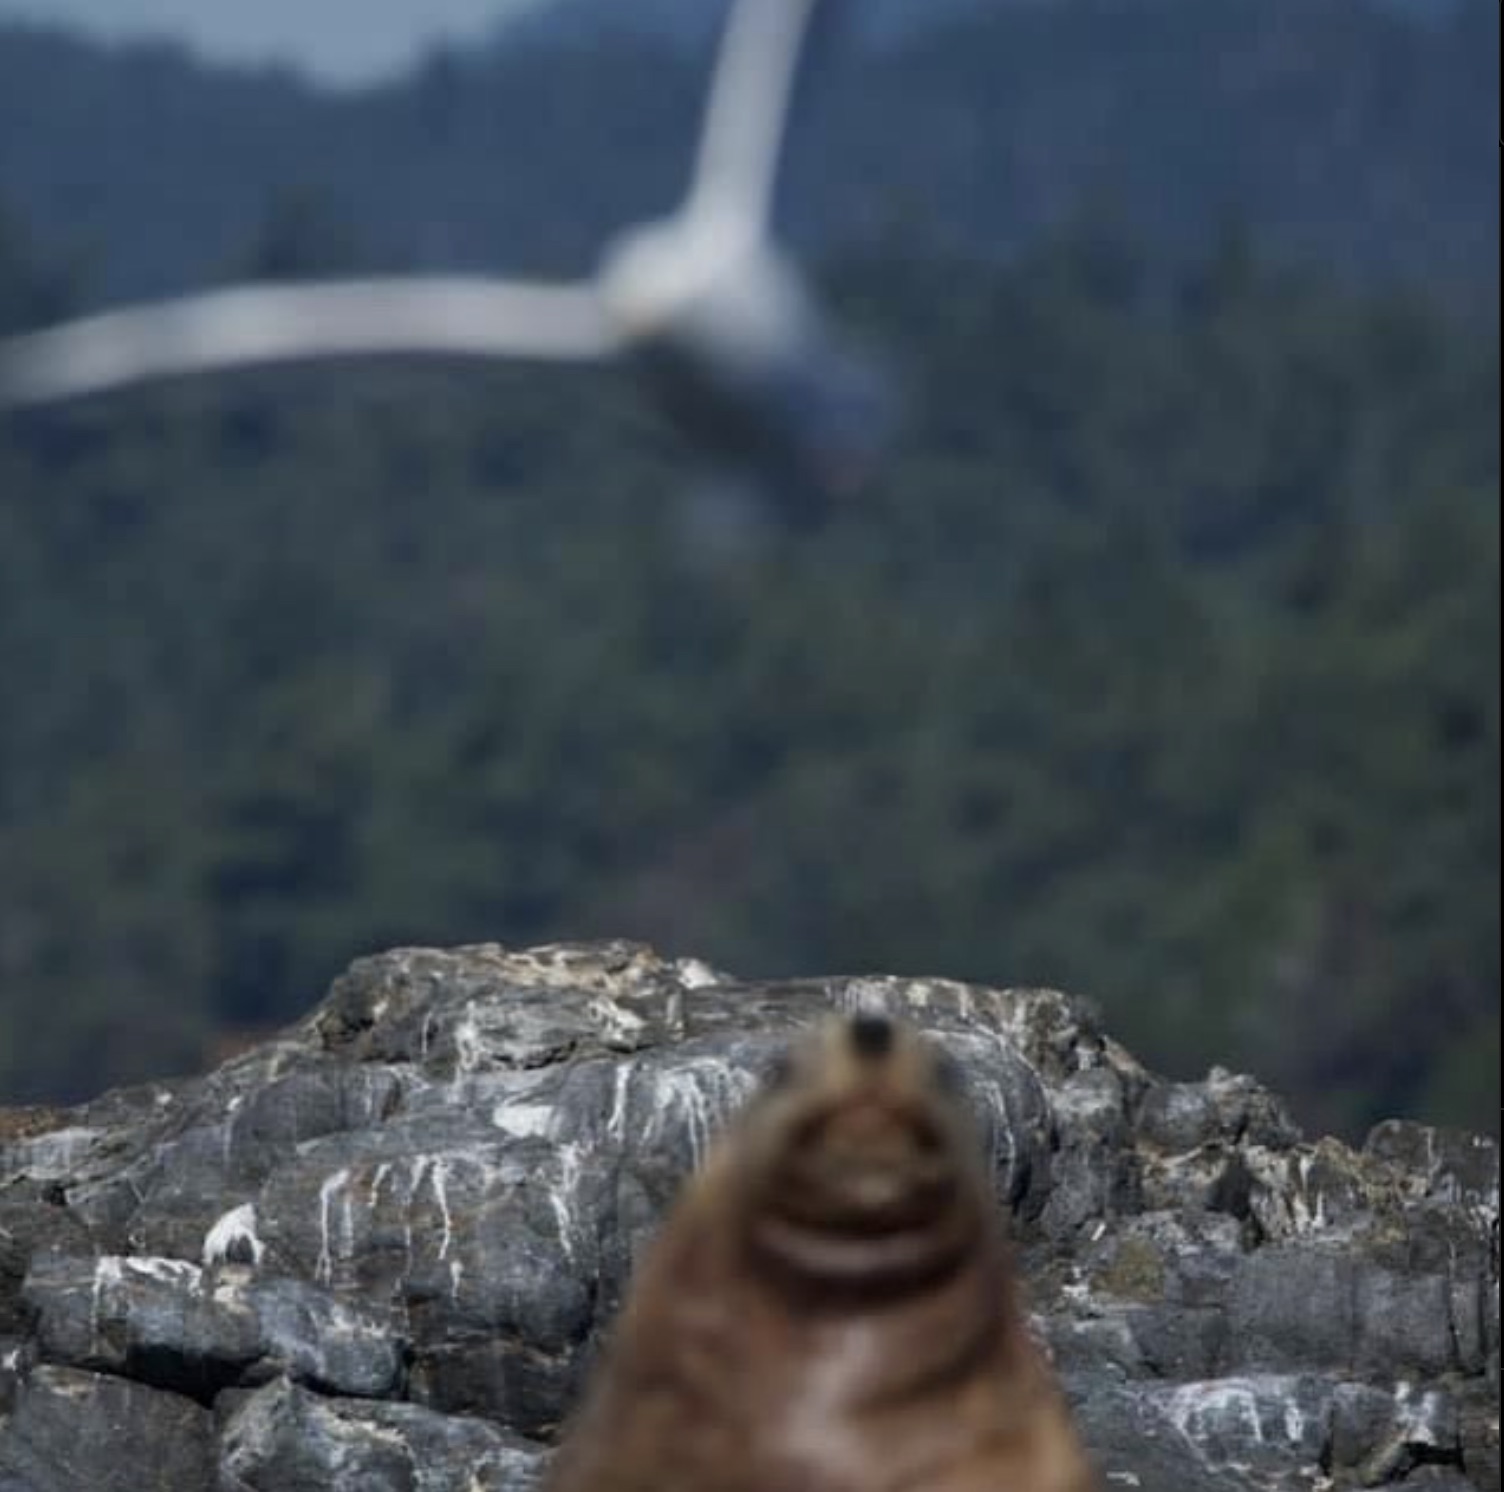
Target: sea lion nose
871	1036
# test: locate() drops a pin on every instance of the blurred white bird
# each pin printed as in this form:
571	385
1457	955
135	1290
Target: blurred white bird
704	304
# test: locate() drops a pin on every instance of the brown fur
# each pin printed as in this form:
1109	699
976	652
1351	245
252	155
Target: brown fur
830	1307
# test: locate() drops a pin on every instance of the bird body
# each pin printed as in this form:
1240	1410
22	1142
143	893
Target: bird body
704	305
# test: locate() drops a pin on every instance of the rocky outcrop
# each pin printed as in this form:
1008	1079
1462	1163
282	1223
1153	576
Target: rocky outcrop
380	1250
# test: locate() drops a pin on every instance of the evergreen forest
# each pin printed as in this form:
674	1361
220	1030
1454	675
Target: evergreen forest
1160	664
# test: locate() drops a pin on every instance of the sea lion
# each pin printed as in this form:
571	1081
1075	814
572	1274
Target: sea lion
830	1306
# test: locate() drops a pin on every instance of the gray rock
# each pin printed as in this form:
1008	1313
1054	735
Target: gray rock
284	1439
33	1220
17	1358
174	1325
1446	1164
70	1430
380	1250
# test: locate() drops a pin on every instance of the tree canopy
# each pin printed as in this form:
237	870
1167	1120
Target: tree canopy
1160	665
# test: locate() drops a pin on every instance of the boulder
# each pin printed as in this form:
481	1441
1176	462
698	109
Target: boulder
381	1249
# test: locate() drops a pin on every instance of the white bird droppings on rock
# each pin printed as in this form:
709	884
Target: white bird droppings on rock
233	1238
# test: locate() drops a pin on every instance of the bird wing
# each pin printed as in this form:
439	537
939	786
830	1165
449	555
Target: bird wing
747	116
458	316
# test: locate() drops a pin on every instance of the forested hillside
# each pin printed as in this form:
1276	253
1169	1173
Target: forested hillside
1162	665
1342	131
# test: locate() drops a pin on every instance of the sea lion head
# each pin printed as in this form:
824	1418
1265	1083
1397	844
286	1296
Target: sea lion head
858	1166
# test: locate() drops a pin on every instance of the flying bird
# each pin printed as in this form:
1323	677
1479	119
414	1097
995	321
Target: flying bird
708	309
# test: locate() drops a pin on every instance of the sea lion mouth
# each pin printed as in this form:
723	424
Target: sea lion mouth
891	1261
